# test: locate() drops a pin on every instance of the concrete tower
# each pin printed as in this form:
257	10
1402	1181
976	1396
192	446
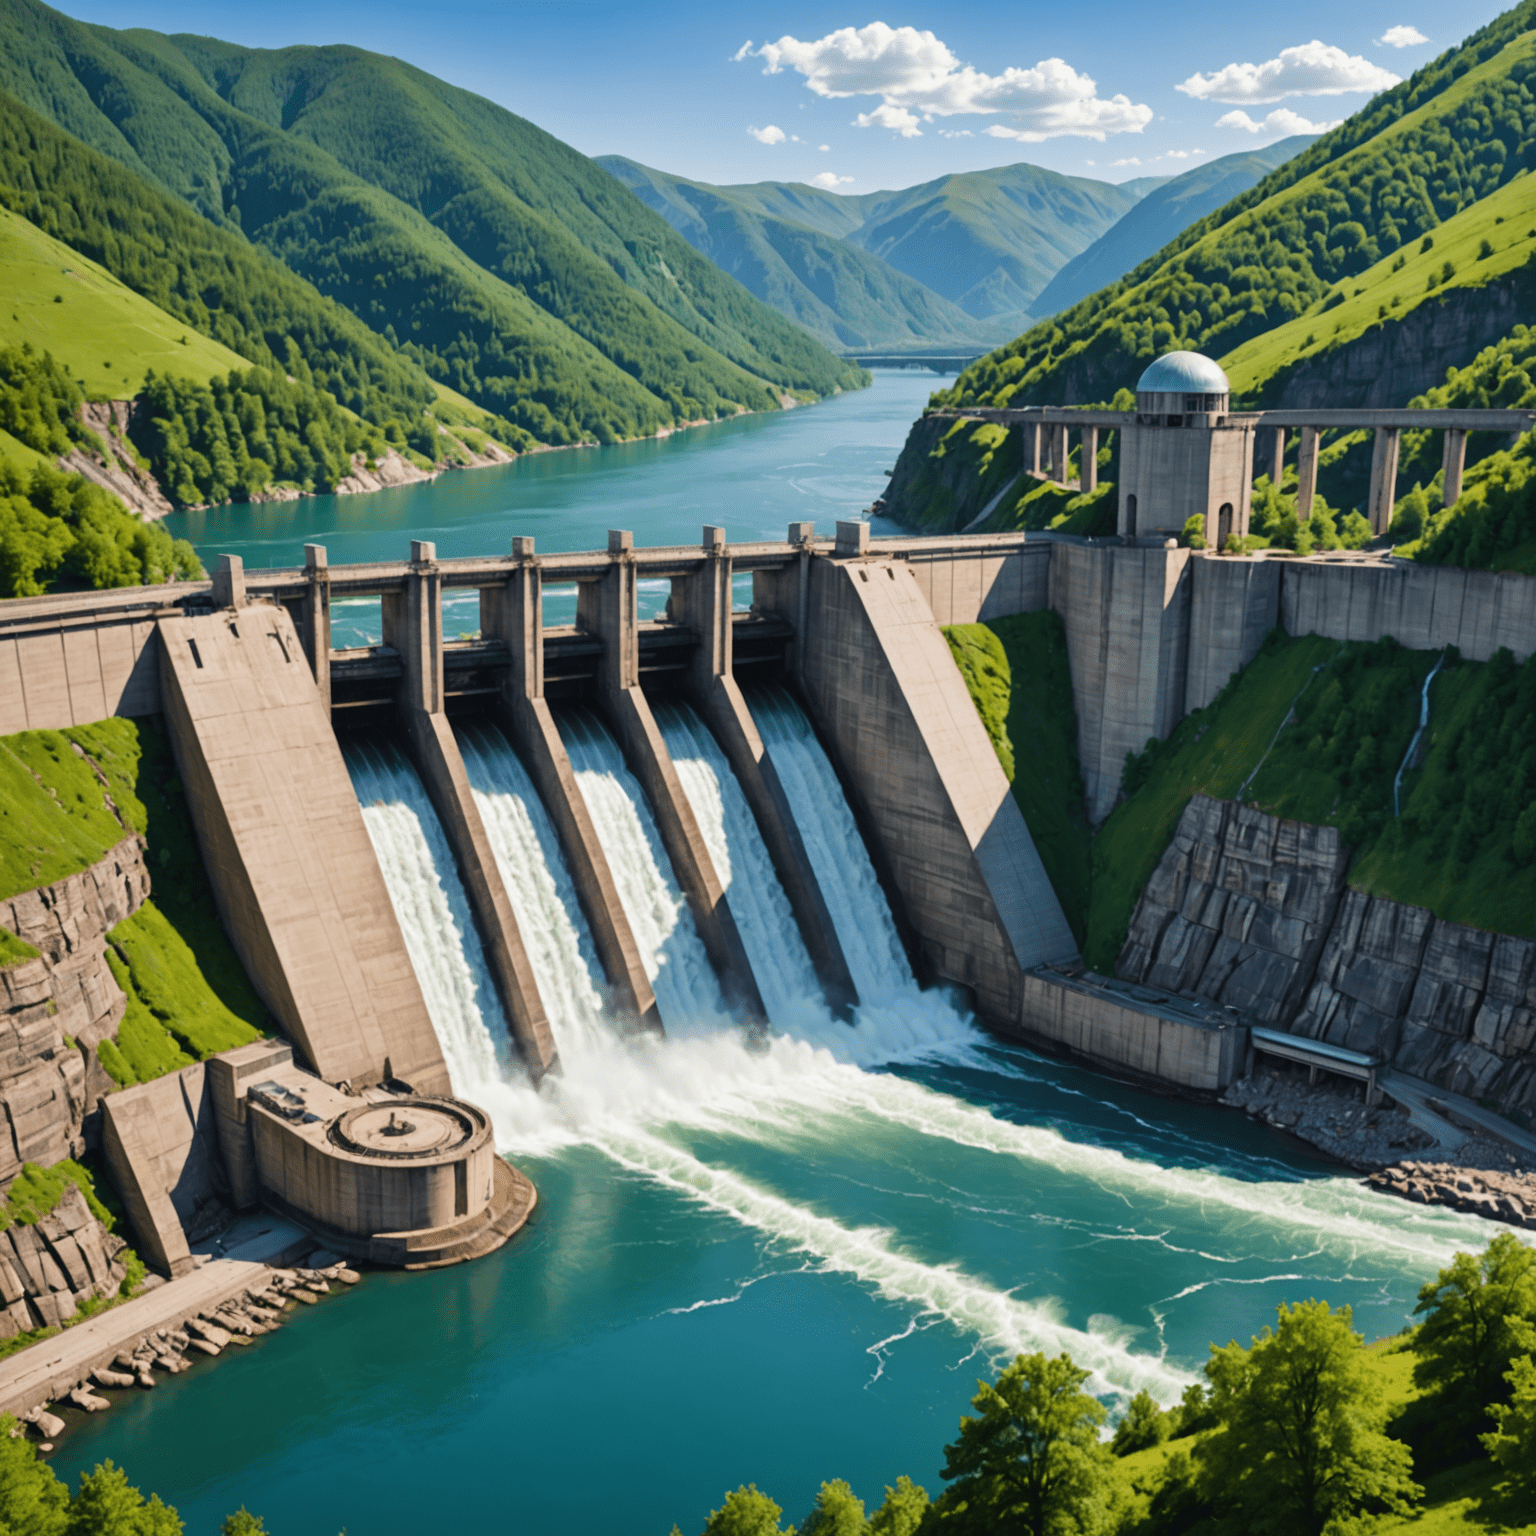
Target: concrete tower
1185	454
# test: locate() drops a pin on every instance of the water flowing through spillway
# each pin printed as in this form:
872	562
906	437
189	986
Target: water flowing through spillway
434	913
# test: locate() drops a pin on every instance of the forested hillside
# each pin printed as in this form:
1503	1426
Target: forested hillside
495	258
1354	274
1455	132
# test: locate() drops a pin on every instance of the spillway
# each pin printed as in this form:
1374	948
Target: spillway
687	991
780	963
435	917
549	917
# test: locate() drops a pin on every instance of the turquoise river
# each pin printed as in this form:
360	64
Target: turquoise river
777	1260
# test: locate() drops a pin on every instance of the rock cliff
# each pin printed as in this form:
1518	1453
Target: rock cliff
1252	911
56	1009
48	1269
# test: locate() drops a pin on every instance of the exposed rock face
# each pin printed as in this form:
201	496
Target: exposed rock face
1507	1197
1337	1121
115	469
1238	909
1250	910
392	469
47	1270
47	1086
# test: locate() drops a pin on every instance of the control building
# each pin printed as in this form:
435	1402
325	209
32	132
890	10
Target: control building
1185	453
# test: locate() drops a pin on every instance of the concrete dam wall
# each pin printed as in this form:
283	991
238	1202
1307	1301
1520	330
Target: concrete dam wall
259	707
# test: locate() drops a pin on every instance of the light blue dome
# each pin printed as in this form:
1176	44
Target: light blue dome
1177	373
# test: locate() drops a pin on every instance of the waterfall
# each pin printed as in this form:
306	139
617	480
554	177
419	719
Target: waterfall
435	917
687	991
780	963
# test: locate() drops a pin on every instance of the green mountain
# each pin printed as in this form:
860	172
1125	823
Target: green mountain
1162	215
499	260
1324	283
990	241
844	296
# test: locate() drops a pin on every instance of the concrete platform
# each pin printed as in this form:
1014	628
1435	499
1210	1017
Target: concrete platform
43	1372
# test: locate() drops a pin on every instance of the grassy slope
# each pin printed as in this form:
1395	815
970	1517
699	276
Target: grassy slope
1017	673
188	994
1506	220
1211	752
99	322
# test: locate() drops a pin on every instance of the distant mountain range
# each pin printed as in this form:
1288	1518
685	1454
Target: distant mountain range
970	259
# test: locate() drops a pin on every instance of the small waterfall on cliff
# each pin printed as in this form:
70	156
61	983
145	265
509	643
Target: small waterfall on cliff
434	913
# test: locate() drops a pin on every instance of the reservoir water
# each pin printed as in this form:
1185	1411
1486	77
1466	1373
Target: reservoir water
775	1257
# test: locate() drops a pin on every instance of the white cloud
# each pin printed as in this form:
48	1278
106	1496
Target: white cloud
824	148
830	181
768	135
1129	160
1313	69
897	119
916	74
1402	37
1282	122
956	133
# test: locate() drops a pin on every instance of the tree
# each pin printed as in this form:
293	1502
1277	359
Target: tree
107	1506
33	1502
837	1513
1302	1442
1193	536
1473	1311
746	1512
1031	1460
1144	1424
243	1523
903	1510
1513	1444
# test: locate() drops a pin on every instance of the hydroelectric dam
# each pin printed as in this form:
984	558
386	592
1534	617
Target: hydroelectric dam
445	863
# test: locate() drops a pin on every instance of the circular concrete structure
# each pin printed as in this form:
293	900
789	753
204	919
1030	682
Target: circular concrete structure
408	1129
1182	384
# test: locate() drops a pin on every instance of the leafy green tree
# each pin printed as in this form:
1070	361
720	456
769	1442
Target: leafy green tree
1512	1444
745	1512
1031	1460
1193	536
33	1502
1144	1424
1302	1446
243	1523
902	1513
1475	1311
838	1512
107	1505
1194	1413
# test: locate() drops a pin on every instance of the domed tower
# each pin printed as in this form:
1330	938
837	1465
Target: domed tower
1185	454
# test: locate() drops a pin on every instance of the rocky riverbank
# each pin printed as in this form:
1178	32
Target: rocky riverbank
234	1322
1333	1119
1500	1195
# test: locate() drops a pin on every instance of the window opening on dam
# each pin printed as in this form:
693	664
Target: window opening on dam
192	646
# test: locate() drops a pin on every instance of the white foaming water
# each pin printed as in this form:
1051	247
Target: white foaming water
633	1098
670	948
434	914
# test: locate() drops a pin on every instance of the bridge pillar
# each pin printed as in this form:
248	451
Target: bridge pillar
1059	454
514	614
1277	458
1033	432
1088	473
1453	462
803	537
229	582
1383	478
608	609
1306	471
315	618
704	602
413	625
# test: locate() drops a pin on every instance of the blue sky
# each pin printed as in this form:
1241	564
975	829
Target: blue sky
867	96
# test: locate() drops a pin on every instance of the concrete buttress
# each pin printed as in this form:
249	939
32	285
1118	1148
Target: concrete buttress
413	625
293	872
703	601
514	614
887	695
607	608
